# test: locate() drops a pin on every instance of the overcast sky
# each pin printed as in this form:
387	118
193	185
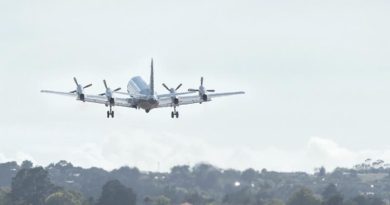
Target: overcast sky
316	75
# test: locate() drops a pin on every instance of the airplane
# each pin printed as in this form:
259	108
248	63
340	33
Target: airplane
141	95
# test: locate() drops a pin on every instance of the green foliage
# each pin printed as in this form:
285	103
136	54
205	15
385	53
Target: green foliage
3	197
322	172
246	196
162	200
334	200
115	193
197	198
275	202
249	175
206	176
64	198
7	172
26	164
330	191
203	184
332	196
303	197
366	200
31	186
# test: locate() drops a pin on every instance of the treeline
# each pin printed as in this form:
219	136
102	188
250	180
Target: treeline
204	184
32	186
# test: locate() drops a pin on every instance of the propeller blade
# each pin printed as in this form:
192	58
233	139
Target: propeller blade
75	80
87	86
179	86
102	94
201	81
193	90
166	87
118	89
105	84
74	91
211	91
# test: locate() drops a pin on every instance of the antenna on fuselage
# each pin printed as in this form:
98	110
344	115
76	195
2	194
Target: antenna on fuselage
151	79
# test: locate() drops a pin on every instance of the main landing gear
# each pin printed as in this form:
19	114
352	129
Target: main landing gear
110	113
174	113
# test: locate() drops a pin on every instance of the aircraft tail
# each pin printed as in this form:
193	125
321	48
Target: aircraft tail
151	79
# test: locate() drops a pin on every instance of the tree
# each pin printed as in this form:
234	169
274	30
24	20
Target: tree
26	164
249	175
206	176
64	198
115	193
322	172
303	197
364	200
162	200
7	171
330	191
181	176
275	202
197	198
31	186
334	200
332	196
244	196
3	196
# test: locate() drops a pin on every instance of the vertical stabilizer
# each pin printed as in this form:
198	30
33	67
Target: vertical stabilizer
151	79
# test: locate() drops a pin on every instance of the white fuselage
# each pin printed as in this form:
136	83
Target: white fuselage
143	96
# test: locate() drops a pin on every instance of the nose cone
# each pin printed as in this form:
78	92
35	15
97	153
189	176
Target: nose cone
202	90
109	93
80	89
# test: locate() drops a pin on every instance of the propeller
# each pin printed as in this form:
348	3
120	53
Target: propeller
172	90
79	87
108	92
201	88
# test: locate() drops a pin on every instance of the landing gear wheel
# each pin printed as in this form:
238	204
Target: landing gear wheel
172	114
177	114
108	114
112	114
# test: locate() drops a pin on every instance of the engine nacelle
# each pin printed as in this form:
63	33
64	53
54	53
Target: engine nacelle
112	101
204	97
176	101
82	97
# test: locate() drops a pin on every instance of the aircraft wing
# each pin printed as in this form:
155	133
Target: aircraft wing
187	100
214	95
177	94
59	93
123	102
122	93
